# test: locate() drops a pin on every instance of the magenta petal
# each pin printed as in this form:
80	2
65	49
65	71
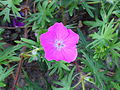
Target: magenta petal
69	54
53	54
72	38
47	39
60	30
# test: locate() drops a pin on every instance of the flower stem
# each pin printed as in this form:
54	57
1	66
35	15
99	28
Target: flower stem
83	85
82	78
77	84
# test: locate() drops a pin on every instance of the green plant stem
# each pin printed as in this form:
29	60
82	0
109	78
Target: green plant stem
83	85
28	53
81	81
94	2
77	83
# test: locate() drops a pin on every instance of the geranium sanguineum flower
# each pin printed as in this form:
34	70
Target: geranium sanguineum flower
59	43
17	22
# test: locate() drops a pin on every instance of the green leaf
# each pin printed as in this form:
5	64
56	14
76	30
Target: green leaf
88	8
29	41
53	71
4	73
94	24
116	85
59	67
14	58
2	84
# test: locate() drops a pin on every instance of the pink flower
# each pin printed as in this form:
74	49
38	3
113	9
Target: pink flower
59	43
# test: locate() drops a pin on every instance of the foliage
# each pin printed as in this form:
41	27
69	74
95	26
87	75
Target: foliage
46	9
42	16
8	54
10	5
65	82
116	85
105	45
59	67
1	31
4	73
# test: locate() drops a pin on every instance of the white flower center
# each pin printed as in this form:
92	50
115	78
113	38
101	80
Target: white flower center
59	44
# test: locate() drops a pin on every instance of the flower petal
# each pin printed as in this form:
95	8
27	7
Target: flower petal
20	24
60	30
69	54
53	54
72	38
47	39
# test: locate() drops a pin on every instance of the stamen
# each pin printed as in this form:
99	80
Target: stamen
59	44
